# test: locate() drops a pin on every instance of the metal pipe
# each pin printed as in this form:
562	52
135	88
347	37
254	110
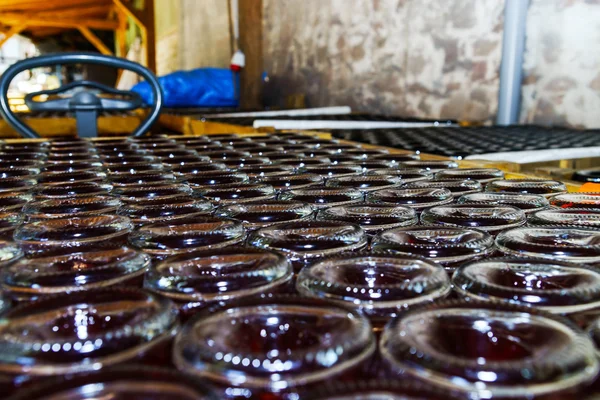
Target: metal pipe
511	69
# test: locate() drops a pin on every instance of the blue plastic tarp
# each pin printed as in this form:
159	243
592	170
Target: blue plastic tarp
202	87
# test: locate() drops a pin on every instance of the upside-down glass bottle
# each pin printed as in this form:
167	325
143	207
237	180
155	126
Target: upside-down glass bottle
271	348
491	351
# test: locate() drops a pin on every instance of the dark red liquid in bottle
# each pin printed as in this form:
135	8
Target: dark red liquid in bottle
376	284
448	246
121	383
64	235
481	349
219	276
322	196
289	332
81	331
33	278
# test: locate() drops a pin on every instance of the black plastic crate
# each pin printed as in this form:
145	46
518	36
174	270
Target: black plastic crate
462	142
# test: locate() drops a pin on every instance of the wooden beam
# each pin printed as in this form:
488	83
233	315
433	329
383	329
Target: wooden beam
33	20
122	33
21	5
15	30
95	40
150	35
78	12
250	14
131	12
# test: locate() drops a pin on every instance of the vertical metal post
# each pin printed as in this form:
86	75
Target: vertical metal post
511	69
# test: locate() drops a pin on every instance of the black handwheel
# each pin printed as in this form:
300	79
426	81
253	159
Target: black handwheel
85	104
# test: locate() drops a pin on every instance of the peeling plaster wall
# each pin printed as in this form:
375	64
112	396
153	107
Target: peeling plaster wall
424	58
561	83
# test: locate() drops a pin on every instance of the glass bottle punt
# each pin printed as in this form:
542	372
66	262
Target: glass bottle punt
22	156
75	190
576	200
340	147
429	165
289	182
528	203
256	171
545	188
489	218
559	287
119	158
121	382
262	150
397	158
271	212
150	178
344	159
219	276
237	193
417	198
71	158
316	142
23	172
188	140
284	155
370	165
490	351
136	168
573	217
135	194
116	155
377	389
366	153
21	164
73	167
298	148
457	187
302	162
272	347
448	246
84	331
17	184
164	239
37	147
372	218
13	201
323	196
483	175
224	155
213	178
184	160
330	171
365	183
65	178
306	241
578	245
317	153
67	208
378	285
189	170
241	162
65	235
110	148
163	210
36	277
70	152
406	174
175	153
